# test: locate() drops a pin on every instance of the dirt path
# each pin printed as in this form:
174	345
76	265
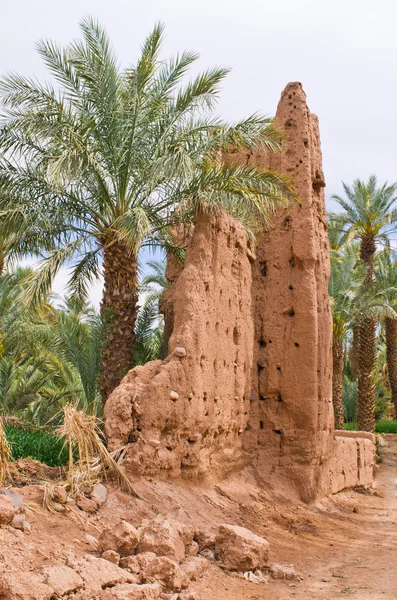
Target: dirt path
363	565
344	548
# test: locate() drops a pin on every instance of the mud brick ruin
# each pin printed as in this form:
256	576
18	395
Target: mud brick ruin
248	377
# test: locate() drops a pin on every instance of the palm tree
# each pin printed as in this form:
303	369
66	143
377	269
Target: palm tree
369	217
48	356
351	302
149	334
386	272
149	329
342	289
94	168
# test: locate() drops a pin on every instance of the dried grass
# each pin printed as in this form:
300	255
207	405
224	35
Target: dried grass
82	432
5	455
48	499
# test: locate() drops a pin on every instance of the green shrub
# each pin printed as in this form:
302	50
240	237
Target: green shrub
351	426
380	427
349	394
386	427
46	448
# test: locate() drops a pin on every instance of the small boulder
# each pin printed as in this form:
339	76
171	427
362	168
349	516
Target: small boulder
16	499
7	510
86	504
167	571
145	559
23	586
111	556
186	532
286	572
99	493
194	567
205	540
19	522
62	579
180	352
130	563
122	538
59	494
163	538
98	573
241	550
192	548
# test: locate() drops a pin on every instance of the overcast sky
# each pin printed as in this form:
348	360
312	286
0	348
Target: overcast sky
343	51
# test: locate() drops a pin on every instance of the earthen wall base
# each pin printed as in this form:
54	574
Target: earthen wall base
353	460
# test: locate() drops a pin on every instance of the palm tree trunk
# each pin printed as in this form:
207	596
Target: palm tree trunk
337	374
367	349
119	311
367	363
353	353
391	353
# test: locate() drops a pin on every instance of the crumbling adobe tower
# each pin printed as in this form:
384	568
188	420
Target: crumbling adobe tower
248	377
293	323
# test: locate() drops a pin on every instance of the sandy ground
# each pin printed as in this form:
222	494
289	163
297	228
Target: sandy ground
345	546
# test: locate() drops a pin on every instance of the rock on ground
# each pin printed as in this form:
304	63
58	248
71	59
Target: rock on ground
7	510
205	540
167	571
23	586
98	573
194	567
111	556
241	550
16	498
163	538
122	538
62	579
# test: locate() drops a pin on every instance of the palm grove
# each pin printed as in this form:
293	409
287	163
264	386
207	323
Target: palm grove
105	162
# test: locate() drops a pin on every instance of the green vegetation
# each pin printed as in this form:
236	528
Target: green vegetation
48	356
380	427
39	445
363	290
109	160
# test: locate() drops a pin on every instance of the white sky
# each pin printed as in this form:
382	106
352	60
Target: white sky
343	51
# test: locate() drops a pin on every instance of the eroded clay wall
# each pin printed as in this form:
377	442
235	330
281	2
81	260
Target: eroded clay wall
185	415
292	406
248	376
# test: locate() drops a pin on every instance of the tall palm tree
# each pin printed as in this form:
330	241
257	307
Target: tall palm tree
369	217
94	168
386	272
342	290
351	302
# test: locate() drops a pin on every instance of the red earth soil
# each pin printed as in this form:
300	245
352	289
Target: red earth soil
344	546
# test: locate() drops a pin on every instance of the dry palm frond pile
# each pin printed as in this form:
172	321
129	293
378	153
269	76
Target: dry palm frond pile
82	434
5	455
